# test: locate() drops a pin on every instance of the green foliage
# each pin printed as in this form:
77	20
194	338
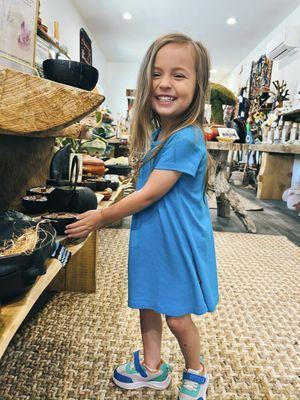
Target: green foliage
94	142
220	95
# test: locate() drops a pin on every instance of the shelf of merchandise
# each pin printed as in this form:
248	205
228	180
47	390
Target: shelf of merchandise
266	148
79	275
48	39
276	165
31	106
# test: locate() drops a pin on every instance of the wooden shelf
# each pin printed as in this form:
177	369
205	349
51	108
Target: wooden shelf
13	314
79	275
226	146
276	148
37	107
48	39
267	148
116	196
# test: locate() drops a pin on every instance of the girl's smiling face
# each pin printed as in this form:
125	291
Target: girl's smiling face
173	81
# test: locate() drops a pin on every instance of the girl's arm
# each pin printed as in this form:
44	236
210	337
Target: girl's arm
157	185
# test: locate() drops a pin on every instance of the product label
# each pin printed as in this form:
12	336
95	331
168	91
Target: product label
228	133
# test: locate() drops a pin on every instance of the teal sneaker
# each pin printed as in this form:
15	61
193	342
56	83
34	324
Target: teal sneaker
194	386
134	375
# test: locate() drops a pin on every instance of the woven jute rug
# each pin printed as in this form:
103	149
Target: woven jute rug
248	204
250	344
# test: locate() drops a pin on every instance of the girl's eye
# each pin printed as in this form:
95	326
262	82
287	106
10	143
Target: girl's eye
155	74
178	76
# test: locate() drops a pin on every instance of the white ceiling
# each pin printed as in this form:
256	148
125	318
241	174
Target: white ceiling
205	20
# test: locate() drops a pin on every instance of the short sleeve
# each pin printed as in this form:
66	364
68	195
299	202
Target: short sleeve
183	152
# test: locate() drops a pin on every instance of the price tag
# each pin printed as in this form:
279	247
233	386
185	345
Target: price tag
228	133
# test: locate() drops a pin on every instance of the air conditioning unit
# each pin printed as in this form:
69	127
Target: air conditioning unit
285	44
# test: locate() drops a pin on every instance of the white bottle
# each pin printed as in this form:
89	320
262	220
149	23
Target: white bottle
278	131
294	130
271	132
286	131
298	132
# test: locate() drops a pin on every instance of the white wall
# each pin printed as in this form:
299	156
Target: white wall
120	76
70	23
287	69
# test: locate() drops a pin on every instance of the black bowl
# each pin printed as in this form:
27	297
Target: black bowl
59	221
18	272
118	169
40	190
72	73
90	184
35	204
100	184
57	182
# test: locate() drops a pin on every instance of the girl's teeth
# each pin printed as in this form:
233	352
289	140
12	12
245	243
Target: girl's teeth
164	98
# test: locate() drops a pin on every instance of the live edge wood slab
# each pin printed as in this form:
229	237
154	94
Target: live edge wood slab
38	107
35	110
79	275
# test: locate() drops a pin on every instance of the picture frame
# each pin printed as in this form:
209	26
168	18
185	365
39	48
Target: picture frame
86	55
260	77
11	63
18	27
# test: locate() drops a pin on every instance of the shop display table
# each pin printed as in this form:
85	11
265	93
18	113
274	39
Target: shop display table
226	197
79	275
276	166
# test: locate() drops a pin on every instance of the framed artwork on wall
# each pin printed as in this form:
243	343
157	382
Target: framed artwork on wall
260	77
18	24
85	48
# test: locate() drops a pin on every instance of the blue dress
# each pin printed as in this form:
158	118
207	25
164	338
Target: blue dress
172	264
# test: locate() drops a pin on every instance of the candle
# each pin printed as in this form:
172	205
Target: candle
56	31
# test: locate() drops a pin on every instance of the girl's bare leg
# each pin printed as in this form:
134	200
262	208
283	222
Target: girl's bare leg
188	338
151	329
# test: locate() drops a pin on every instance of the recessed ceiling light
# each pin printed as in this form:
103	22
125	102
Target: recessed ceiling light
213	71
231	21
127	16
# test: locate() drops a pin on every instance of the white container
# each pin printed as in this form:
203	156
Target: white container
294	132
237	178
264	130
286	131
292	200
286	194
271	133
278	131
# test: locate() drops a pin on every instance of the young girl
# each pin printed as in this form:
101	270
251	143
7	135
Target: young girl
172	266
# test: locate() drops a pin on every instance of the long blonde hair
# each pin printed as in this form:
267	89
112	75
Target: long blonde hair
144	120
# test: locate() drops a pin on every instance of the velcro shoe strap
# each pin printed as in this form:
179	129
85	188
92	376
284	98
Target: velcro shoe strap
194	378
137	364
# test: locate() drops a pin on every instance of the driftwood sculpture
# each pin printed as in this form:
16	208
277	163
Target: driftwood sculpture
281	93
225	195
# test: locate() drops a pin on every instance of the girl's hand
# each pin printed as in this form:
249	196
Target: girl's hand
87	222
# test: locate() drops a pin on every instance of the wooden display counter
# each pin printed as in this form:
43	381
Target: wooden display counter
266	148
79	275
276	168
